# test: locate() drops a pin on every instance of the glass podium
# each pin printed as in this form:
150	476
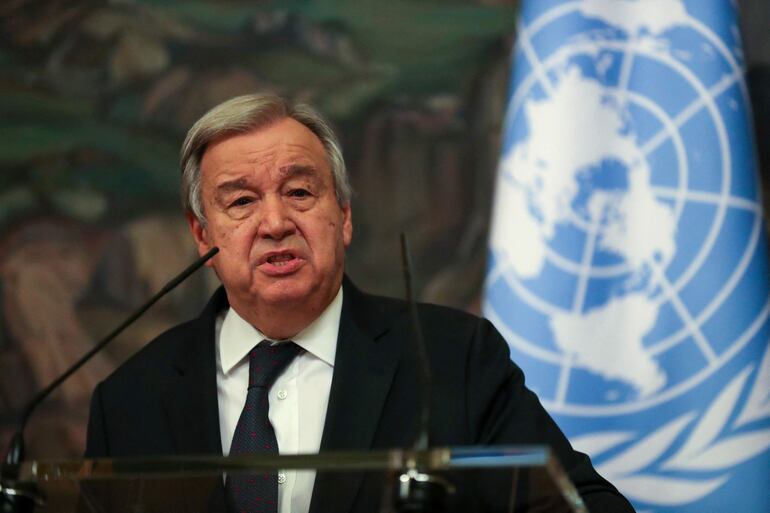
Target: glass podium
495	479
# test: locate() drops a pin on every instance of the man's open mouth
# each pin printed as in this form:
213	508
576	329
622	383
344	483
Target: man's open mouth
281	263
280	260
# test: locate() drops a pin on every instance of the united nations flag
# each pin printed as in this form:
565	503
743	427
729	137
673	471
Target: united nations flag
628	265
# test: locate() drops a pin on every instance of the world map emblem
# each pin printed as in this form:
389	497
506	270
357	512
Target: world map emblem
628	263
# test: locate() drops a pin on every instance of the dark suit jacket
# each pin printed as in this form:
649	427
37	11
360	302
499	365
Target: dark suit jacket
163	401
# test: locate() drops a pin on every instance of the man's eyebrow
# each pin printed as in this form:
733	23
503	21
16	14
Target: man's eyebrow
287	172
232	185
295	170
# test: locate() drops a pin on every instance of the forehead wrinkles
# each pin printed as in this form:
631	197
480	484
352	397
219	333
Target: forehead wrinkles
283	156
240	175
270	151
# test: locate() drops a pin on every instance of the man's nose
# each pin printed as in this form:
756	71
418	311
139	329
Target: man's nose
275	222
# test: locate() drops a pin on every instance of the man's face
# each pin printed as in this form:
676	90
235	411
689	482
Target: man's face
271	208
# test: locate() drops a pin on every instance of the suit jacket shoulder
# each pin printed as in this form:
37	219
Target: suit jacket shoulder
162	400
478	395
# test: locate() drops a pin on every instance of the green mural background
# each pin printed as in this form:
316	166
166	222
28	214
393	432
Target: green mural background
95	98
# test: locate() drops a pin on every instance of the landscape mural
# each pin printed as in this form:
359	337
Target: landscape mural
95	99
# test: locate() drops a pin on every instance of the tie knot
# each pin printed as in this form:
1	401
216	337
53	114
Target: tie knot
267	361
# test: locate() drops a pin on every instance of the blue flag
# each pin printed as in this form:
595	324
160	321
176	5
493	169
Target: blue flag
628	265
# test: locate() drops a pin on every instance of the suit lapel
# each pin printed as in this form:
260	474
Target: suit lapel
363	373
190	398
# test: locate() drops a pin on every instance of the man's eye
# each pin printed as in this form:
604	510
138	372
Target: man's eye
299	193
241	202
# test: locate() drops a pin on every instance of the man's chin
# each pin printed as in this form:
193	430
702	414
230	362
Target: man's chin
284	293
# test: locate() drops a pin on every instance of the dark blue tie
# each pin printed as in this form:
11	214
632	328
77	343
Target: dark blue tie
252	493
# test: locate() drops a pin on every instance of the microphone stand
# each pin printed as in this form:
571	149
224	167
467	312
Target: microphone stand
18	497
416	491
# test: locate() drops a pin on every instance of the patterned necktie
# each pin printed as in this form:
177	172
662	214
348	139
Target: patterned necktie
254	434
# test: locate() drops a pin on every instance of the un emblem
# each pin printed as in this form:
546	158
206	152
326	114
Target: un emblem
628	267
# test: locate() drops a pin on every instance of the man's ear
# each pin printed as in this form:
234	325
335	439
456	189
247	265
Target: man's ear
347	224
200	235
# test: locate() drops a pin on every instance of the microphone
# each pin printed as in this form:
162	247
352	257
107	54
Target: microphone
417	491
11	492
422	440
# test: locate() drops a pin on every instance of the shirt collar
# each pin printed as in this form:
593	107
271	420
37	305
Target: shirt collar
237	337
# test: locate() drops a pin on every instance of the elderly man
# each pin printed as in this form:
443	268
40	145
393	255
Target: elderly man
288	355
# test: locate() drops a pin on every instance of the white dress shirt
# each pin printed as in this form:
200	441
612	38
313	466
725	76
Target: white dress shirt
298	398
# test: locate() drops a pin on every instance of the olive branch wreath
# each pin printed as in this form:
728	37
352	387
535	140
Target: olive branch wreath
712	447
